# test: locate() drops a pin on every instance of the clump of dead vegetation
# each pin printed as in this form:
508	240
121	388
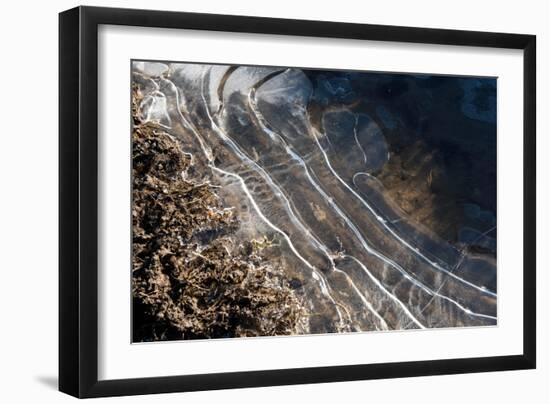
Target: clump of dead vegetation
191	278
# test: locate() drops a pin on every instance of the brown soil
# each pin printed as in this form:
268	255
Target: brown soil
416	181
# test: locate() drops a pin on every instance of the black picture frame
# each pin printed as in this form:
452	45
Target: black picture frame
78	201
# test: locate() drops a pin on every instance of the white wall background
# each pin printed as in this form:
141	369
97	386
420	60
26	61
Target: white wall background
28	199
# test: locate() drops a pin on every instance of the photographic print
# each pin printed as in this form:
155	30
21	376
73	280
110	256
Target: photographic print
280	201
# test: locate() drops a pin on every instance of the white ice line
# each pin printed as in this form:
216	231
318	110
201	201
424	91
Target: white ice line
380	256
265	219
365	301
394	264
390	295
320	279
462	256
316	275
357	140
208	155
350	224
205	149
383	222
366	175
276	137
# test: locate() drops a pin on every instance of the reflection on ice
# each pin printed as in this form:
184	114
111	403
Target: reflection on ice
153	108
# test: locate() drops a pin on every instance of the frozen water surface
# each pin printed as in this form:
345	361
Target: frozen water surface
299	162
